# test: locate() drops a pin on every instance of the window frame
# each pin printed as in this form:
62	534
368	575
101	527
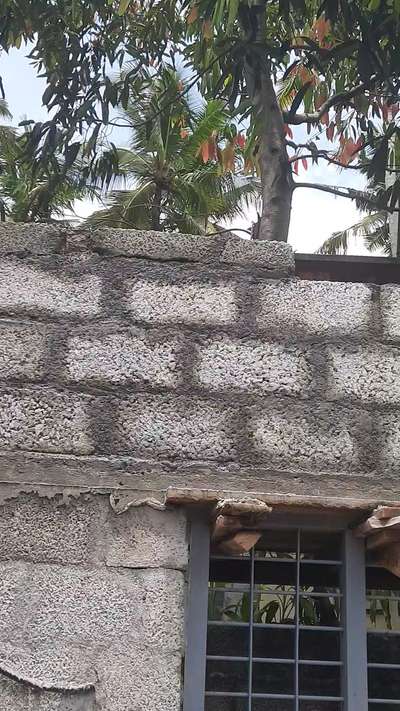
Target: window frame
354	650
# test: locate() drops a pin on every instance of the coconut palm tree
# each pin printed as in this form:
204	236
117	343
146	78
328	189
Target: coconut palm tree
374	229
179	170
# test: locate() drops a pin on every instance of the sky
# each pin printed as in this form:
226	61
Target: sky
315	215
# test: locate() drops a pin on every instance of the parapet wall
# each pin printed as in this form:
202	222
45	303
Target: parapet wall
145	361
133	362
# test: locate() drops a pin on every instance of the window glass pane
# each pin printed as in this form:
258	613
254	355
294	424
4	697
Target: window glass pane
384	683
383	613
228	606
384	648
320	611
318	645
270	678
323	546
277	544
226	676
319	577
230	570
380	579
383	707
274	608
227	641
271	574
321	706
273	643
272	705
318	680
226	703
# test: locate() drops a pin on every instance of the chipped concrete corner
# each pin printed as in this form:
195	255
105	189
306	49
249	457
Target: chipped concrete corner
132	362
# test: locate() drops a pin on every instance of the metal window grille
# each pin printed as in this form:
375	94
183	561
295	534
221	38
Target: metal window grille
383	639
280	629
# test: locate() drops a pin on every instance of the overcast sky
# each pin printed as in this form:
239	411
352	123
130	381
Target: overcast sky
315	215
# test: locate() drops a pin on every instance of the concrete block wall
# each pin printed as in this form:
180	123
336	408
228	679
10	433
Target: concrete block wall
131	362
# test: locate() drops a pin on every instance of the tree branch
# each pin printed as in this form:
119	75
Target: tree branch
350	195
341	98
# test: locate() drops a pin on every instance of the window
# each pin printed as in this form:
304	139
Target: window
299	623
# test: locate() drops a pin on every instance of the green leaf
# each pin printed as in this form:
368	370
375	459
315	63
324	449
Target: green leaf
232	13
123	6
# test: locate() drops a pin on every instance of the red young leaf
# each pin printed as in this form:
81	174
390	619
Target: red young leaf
304	163
241	140
330	131
296	167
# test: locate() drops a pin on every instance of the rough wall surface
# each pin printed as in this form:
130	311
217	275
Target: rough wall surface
132	362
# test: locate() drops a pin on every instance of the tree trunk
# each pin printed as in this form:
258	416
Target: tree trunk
276	177
156	209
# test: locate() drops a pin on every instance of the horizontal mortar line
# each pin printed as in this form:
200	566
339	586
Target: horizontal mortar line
247	400
37	315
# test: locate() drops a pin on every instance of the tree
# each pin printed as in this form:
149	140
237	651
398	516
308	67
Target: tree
331	67
374	229
180	165
36	191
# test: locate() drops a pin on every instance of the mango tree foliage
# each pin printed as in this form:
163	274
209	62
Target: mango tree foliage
331	67
77	46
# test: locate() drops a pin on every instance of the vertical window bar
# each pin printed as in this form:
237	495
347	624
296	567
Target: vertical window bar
297	631
197	612
251	617
355	684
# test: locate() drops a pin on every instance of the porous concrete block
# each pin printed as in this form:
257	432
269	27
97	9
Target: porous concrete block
320	308
33	238
22	350
56	621
18	696
387	428
313	436
147	538
40	530
390	310
133	356
156	245
274	256
137	679
87	531
253	366
170	427
366	373
44	420
156	302
28	287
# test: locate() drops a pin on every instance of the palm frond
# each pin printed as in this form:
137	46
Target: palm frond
374	229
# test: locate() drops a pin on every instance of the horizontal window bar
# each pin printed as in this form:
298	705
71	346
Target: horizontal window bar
384	701
276	626
383	632
279	660
217	658
236	694
302	697
376	665
220	588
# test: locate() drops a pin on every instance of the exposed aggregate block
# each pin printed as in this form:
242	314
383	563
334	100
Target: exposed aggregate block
323	309
118	358
17	696
155	245
390	310
277	256
367	374
22	350
253	366
27	287
313	436
44	420
87	531
186	303
56	620
32	238
171	427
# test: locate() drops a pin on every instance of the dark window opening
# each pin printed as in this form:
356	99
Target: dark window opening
274	640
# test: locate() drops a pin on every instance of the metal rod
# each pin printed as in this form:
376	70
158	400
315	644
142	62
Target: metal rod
251	630
297	633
